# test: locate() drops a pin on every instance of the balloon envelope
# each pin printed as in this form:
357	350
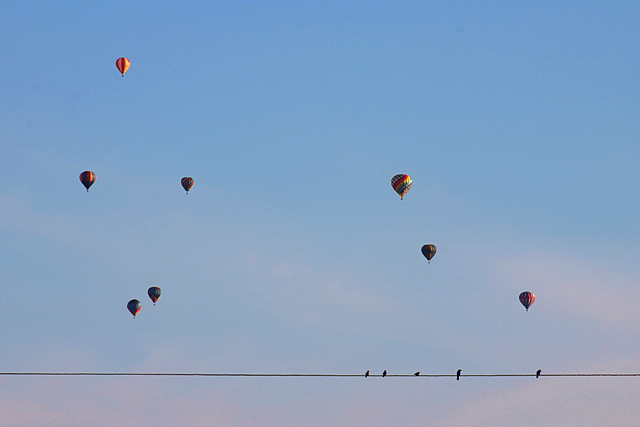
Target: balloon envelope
154	293
428	251
527	298
134	307
187	183
401	183
87	178
122	64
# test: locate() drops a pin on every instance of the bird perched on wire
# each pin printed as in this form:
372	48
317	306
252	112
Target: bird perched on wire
417	373
538	372
366	374
384	373
458	374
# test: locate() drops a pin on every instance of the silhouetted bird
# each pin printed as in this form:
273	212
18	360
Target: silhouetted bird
366	374
538	372
458	374
384	373
417	373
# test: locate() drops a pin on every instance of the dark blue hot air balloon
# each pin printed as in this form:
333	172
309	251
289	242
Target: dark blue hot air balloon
134	307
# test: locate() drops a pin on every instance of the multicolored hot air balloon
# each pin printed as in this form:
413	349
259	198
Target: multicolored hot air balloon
429	251
134	307
187	183
527	298
122	64
154	293
401	183
87	178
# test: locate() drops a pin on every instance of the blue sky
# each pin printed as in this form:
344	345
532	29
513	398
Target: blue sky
518	123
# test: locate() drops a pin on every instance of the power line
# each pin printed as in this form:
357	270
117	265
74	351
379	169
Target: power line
202	374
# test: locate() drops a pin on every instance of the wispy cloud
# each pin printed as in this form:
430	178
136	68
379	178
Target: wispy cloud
115	402
554	401
600	292
18	214
322	297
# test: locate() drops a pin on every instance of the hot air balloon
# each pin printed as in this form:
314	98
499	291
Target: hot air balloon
87	178
429	251
123	65
134	307
154	293
187	183
401	183
527	298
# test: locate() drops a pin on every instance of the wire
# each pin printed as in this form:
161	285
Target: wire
196	374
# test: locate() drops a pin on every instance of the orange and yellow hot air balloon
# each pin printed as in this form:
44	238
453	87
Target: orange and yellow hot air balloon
123	65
